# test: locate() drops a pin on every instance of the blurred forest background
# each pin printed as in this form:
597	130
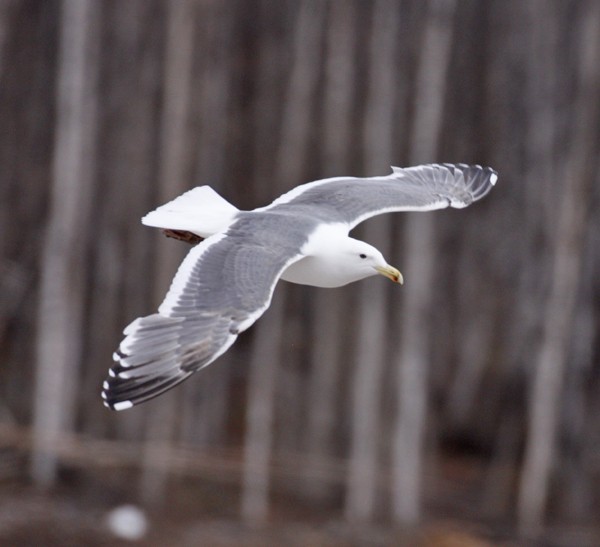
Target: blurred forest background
460	409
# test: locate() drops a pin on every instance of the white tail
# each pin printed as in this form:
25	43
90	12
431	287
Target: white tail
200	210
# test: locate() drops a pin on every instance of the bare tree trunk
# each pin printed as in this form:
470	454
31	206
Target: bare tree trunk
292	154
339	91
473	353
215	87
498	490
6	12
258	441
551	362
578	416
323	386
541	92
63	265
265	114
174	158
371	353
409	435
300	95
326	331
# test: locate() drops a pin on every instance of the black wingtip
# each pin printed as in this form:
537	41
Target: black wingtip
120	392
146	363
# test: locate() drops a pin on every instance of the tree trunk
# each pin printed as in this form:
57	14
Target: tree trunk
326	331
214	83
63	264
409	435
371	352
258	441
551	362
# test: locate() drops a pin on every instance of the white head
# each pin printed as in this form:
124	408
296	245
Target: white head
332	259
360	260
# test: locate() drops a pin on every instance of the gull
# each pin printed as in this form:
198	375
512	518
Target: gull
226	282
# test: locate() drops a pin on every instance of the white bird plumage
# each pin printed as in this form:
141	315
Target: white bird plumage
226	282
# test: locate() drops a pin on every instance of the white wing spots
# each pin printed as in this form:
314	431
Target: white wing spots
122	405
493	179
183	274
457	204
125	346
132	327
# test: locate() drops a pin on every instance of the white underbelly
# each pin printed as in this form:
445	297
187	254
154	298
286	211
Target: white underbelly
317	273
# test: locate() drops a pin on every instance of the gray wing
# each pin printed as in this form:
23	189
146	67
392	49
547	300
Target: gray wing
422	188
223	286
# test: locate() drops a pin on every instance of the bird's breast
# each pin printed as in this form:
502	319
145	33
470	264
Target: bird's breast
318	272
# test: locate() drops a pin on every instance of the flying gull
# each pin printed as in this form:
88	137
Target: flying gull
226	282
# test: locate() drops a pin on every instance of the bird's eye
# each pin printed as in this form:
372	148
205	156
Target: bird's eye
362	255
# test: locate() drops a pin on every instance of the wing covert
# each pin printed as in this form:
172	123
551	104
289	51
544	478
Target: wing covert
221	288
421	188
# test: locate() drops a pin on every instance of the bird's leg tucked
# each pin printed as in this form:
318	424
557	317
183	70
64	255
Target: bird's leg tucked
183	235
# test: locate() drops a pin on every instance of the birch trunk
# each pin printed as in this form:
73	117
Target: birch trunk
326	331
63	264
575	465
540	41
367	388
419	243
551	362
258	442
215	91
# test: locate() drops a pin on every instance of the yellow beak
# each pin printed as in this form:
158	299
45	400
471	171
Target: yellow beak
391	273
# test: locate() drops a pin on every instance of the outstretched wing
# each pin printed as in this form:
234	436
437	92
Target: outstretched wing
423	188
222	286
